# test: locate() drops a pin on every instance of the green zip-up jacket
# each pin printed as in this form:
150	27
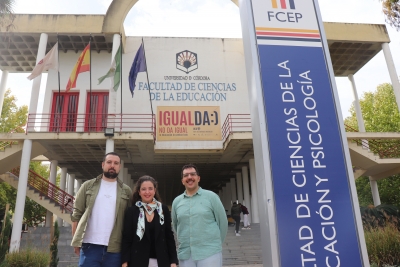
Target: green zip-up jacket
83	206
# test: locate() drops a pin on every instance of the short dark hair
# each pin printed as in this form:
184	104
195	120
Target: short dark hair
136	189
187	166
111	153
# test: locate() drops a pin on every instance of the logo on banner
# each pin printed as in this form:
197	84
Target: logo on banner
283	4
186	61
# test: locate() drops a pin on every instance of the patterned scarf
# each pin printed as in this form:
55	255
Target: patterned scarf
149	207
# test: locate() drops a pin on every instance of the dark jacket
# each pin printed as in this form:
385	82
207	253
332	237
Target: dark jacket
235	210
136	252
244	209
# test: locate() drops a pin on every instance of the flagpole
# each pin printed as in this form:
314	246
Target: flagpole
59	85
148	83
90	82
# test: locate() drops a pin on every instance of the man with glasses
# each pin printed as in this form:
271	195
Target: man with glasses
200	222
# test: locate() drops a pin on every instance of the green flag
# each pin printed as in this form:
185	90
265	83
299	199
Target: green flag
115	71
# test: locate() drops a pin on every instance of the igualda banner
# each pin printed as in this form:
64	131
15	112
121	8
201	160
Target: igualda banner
314	209
177	123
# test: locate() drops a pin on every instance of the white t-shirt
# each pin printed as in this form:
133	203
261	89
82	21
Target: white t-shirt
101	221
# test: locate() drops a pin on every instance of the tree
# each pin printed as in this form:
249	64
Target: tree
391	9
6	14
380	114
54	246
13	118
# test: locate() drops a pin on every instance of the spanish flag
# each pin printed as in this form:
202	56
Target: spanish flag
82	65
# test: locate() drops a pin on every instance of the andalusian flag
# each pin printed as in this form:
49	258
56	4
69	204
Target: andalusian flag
82	65
115	71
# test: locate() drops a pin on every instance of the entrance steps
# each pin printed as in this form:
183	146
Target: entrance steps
33	194
39	238
244	249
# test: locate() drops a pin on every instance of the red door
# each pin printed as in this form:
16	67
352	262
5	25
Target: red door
64	112
96	112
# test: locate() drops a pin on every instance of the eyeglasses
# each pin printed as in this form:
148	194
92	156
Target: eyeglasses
190	173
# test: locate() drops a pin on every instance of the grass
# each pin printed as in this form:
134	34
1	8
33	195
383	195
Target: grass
27	258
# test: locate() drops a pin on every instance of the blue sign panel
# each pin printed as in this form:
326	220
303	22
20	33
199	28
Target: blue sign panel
315	220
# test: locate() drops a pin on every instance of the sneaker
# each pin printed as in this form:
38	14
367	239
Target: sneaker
244	228
237	234
248	228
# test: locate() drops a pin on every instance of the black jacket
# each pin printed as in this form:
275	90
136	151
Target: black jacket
136	252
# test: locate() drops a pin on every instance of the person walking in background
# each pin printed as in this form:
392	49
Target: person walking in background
246	224
235	213
98	216
200	222
147	237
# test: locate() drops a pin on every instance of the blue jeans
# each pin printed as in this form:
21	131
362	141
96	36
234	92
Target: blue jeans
214	261
93	255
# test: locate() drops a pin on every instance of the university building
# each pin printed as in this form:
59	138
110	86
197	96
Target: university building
191	106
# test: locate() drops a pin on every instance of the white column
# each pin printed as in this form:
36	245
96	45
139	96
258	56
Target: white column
239	187
52	179
36	82
360	119
254	199
21	195
223	200
78	184
392	72
121	171
109	145
129	179
125	176
63	179
220	195
3	85
246	189
71	183
233	189
375	192
229	194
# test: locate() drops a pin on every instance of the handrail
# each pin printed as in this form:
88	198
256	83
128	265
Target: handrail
95	122
5	144
383	148
47	189
235	123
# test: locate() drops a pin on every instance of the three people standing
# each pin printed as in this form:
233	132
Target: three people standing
112	229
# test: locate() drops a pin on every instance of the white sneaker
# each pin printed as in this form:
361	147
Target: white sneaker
237	234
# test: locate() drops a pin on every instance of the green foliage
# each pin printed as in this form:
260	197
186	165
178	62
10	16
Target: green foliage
391	9
379	110
388	191
13	118
53	246
380	216
5	234
27	258
383	245
6	14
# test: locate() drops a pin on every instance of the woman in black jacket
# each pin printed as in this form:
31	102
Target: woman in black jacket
147	239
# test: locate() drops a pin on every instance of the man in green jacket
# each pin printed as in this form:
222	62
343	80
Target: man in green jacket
98	215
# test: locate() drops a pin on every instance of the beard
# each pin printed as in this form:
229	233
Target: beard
110	175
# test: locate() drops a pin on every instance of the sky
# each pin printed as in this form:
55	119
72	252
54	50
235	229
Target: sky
215	18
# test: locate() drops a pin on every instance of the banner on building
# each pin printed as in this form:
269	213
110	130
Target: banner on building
188	123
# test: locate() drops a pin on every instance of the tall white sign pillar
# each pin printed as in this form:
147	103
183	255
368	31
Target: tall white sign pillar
21	195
